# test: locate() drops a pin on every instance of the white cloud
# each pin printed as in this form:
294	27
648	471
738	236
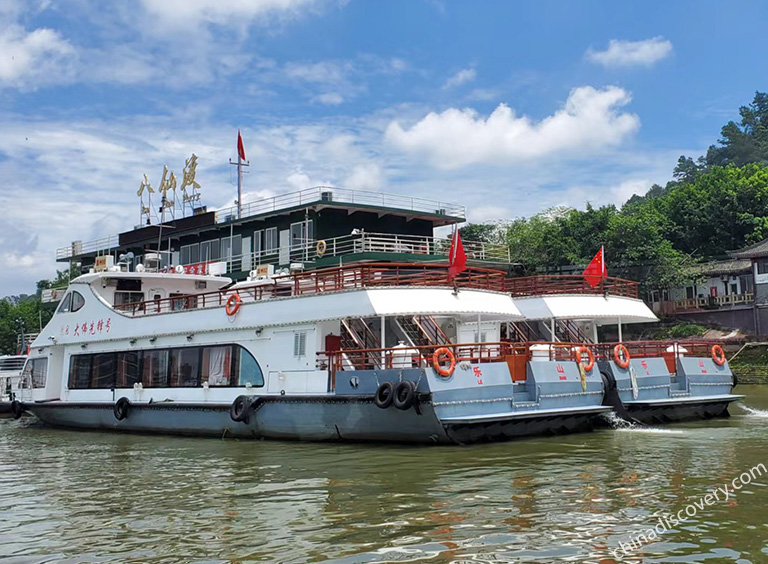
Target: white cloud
365	177
183	13
31	58
299	181
324	72
330	98
632	53
589	121
461	77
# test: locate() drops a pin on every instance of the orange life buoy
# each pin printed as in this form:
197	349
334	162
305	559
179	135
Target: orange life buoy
233	304
436	358
590	356
320	248
621	356
718	355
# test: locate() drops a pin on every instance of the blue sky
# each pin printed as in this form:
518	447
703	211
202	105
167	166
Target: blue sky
507	107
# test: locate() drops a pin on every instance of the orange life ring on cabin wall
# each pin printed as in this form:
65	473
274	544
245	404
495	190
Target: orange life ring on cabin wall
617	356
590	356
718	355
233	304
320	248
436	358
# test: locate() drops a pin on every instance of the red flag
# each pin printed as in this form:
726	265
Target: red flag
240	148
595	271
457	258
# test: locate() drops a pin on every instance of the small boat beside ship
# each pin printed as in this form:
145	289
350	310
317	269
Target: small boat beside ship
11	368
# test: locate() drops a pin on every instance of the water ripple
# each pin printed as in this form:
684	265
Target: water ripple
99	497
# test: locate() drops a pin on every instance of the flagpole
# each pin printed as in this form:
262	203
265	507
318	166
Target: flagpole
239	182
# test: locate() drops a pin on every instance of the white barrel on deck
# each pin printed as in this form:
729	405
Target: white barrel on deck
402	355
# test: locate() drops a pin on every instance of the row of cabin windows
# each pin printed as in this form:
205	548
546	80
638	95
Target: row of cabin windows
72	302
225	248
188	367
264	241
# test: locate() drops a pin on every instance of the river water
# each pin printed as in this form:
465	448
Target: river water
100	497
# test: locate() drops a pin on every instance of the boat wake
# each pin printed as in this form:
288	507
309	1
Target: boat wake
752	412
623	425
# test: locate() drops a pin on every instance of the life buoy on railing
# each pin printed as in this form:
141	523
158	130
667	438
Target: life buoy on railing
580	352
621	356
718	355
320	248
443	353
233	304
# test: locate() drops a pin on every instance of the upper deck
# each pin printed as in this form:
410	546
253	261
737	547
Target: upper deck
371	275
437	213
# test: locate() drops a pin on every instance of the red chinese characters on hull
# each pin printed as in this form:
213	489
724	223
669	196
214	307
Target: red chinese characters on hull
90	327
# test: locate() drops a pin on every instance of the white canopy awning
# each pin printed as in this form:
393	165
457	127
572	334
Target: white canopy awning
607	310
492	306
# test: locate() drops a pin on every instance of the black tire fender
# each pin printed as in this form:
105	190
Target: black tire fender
405	395
385	395
238	411
608	380
16	409
122	408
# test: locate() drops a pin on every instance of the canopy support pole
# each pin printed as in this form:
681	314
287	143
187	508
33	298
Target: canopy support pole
621	339
383	343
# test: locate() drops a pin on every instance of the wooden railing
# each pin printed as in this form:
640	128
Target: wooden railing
570	284
693	304
373	275
422	356
664	349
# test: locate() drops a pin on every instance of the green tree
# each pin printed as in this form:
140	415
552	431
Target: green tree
746	142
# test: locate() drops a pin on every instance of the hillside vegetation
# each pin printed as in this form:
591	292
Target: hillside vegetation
716	203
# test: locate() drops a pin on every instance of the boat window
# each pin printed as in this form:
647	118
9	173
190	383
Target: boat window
66	303
78	301
209	250
270	240
154	372
183	301
217	366
258	237
190	254
35	371
182	367
249	369
300	343
185	364
302	233
122	298
128	369
103	370
80	371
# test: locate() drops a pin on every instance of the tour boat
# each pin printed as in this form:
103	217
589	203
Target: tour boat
399	352
11	367
645	381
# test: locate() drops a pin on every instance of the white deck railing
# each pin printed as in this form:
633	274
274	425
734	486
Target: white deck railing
369	243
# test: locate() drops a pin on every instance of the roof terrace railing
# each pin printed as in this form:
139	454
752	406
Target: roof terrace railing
570	284
331	194
356	276
78	247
